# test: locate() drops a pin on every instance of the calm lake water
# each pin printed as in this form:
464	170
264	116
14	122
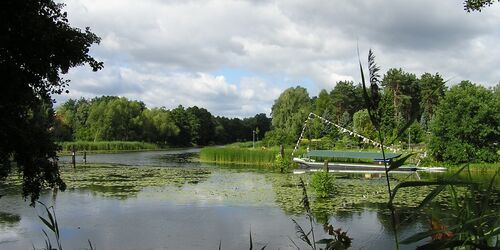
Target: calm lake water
163	200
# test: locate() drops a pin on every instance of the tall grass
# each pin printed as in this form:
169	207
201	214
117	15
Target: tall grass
50	222
247	144
235	155
107	146
338	240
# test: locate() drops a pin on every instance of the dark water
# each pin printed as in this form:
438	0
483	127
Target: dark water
221	204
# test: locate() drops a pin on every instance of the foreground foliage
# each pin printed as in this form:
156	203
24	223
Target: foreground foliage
476	225
31	64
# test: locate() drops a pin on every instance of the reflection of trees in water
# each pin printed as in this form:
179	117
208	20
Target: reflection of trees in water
472	202
405	218
354	194
124	182
287	192
351	195
480	176
179	158
9	219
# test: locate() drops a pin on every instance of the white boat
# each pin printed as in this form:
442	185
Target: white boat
352	162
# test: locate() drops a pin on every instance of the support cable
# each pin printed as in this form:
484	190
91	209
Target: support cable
341	129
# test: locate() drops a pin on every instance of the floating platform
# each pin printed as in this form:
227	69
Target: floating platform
308	164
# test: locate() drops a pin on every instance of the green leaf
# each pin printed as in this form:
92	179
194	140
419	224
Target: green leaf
448	181
429	197
423	184
399	162
493	232
251	243
366	97
46	223
324	241
474	221
301	233
420	236
442	244
90	245
48	245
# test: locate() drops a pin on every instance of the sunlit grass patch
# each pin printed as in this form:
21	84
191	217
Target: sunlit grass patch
235	155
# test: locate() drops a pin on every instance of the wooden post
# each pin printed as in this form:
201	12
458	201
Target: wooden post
85	157
73	156
327	169
282	153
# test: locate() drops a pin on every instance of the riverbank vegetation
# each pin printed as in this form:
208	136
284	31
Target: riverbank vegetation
442	126
112	118
107	146
455	125
259	156
477	211
421	114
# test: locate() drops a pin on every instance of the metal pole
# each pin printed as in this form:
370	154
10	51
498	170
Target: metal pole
409	138
73	156
253	138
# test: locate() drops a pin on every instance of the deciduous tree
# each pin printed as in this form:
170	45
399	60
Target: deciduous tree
466	127
37	45
290	111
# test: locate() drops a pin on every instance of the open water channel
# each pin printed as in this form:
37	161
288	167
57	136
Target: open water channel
167	200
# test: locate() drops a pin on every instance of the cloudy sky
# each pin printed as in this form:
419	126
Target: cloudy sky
235	57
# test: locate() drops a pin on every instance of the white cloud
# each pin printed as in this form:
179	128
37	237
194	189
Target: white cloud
245	98
152	49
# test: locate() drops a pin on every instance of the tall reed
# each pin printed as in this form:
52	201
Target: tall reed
234	155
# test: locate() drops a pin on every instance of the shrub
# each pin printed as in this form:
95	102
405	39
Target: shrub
323	184
466	125
283	164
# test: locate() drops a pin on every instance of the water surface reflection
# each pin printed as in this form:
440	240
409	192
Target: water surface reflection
159	200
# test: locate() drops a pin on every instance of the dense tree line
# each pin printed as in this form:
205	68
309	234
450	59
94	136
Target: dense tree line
404	98
466	126
421	109
117	118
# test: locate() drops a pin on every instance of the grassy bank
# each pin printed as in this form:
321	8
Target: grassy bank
107	146
238	155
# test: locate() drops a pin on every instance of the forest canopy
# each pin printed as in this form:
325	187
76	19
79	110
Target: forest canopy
31	65
110	118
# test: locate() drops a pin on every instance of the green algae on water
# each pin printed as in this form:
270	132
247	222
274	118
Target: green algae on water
123	181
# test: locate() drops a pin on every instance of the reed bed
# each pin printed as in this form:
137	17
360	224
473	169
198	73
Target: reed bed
107	146
234	155
247	144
